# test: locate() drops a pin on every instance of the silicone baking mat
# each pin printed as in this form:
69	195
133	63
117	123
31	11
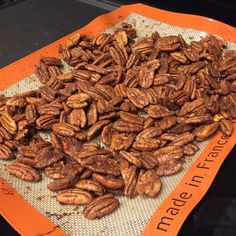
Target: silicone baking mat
136	216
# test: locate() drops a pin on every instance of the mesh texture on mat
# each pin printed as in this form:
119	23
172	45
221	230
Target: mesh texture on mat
133	214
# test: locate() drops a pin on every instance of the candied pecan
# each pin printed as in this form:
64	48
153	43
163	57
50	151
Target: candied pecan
108	181
101	164
180	128
130	176
148	160
62	183
170	168
74	196
54	171
79	100
149	133
183	139
31	113
195	119
78	117
132	157
47	157
51	61
90	185
167	122
86	173
121	141
101	206
8	123
190	149
127	127
96	128
158	111
65	129
137	97
92	115
5	152
24	172
132	118
46	121
148	183
203	132
226	127
107	133
146	77
71	146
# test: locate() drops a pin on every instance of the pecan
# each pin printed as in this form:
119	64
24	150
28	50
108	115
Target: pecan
132	118
149	144
190	149
101	206
46	121
121	37
24	172
108	181
47	157
195	119
203	132
71	146
130	176
74	196
180	128
54	171
149	133
183	139
148	160
90	185
167	122
8	123
5	152
127	127
101	164
79	100
51	61
121	141
226	127
31	113
96	128
62	183
65	129
158	111
137	97
146	77
92	115
148	183
107	133
170	168
132	157
78	118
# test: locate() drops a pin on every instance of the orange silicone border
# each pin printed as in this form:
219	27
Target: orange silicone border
21	215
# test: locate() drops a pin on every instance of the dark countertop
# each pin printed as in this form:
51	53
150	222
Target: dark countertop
29	25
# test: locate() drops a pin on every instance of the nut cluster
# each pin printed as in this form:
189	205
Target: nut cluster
149	100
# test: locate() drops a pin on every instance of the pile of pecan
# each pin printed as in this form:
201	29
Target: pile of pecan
150	100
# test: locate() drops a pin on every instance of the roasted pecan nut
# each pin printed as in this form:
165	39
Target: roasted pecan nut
148	183
23	172
203	132
108	181
5	152
170	168
90	185
74	196
101	206
226	127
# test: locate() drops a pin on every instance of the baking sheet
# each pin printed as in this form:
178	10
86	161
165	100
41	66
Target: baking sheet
133	215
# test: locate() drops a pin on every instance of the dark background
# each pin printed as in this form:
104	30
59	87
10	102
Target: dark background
28	25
